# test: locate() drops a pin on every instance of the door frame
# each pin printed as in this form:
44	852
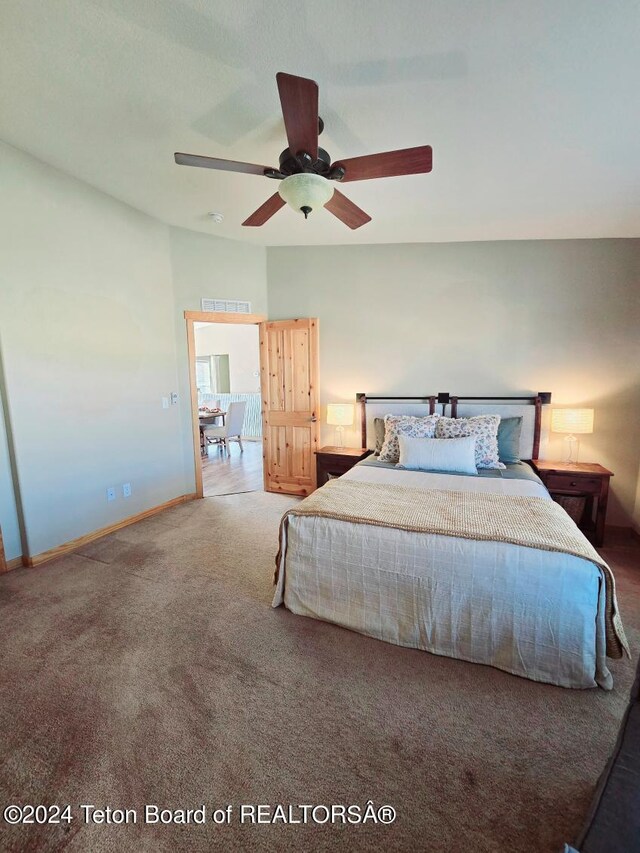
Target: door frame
192	317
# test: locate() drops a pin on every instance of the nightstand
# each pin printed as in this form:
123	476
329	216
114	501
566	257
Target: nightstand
579	479
335	461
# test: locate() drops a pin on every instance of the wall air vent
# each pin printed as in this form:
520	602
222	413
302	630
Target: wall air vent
228	306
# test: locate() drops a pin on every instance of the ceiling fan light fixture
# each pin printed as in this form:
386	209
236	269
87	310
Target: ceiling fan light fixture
306	191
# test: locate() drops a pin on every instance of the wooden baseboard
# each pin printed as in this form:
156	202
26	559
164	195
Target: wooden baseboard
15	563
7	565
73	544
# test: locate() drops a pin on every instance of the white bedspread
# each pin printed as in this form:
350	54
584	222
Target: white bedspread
533	613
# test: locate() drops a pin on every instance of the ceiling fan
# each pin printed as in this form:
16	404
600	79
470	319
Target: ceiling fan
306	172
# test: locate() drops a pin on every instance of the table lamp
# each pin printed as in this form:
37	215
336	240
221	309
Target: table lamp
340	415
572	422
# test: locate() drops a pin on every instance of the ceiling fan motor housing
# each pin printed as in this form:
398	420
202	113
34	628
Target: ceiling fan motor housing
293	165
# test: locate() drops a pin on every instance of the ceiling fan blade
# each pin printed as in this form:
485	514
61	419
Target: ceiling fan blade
406	161
265	211
299	100
347	211
215	163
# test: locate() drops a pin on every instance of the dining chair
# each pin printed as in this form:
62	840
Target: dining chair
232	428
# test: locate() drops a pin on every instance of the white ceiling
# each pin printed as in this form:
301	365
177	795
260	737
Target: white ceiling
532	108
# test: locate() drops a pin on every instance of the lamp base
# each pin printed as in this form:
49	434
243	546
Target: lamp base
339	436
571	447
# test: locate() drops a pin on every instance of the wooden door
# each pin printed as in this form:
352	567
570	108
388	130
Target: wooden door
290	401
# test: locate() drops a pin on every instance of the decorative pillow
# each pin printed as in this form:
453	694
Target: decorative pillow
484	428
509	439
438	454
378	431
414	427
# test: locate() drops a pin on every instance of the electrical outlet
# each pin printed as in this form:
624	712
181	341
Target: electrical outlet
126	490
173	399
111	494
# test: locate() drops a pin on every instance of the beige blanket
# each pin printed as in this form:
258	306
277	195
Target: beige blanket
526	521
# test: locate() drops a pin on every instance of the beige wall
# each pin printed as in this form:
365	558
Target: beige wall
9	523
494	318
222	269
87	330
242	345
92	295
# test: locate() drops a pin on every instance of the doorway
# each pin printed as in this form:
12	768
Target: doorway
224	372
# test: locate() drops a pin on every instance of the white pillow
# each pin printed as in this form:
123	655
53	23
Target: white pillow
438	454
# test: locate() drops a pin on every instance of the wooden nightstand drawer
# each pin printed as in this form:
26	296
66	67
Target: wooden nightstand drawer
338	464
570	483
335	461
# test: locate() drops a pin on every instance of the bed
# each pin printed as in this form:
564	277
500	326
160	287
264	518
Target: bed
357	553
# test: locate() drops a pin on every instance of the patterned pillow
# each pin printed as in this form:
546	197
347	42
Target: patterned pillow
414	427
378	431
485	430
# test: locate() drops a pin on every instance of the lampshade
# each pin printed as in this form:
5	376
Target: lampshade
340	414
306	191
572	420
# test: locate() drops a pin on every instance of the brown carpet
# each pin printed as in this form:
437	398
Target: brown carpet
151	668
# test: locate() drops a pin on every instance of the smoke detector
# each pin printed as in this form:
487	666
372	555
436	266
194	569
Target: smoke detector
216	217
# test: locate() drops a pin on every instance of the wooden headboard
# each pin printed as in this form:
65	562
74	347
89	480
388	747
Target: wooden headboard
456	401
